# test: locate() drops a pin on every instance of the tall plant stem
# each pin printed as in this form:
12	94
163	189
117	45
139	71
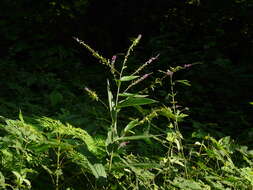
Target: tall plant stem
58	166
176	121
115	119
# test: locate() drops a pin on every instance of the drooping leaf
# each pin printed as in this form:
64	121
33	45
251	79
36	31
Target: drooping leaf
98	170
131	125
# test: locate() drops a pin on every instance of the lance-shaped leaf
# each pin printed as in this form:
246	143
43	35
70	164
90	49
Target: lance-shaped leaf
131	125
98	170
134	101
185	82
167	112
136	137
132	95
128	78
110	96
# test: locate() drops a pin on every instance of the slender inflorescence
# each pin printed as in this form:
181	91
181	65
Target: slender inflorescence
94	53
137	81
146	64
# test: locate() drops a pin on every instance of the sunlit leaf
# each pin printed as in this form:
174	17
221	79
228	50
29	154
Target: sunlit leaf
185	82
98	170
110	96
128	78
132	95
167	112
2	180
137	137
133	101
21	116
131	125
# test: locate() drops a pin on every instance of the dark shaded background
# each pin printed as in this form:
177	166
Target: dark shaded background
43	70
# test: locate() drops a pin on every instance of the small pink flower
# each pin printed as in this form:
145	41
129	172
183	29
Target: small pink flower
169	73
123	144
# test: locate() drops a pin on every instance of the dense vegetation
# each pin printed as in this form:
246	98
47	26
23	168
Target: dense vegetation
160	100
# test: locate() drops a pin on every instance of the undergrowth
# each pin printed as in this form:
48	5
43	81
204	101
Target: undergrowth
141	144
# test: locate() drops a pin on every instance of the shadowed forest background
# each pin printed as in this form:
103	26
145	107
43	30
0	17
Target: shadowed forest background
43	70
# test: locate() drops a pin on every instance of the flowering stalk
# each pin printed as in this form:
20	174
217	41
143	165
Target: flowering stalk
137	81
135	42
145	64
102	60
93	95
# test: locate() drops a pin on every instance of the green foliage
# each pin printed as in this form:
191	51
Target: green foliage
46	144
132	141
144	151
200	165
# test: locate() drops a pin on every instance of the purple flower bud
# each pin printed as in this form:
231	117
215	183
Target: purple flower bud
145	76
114	58
187	65
152	59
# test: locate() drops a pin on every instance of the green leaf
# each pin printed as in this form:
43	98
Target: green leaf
17	175
2	180
47	169
137	137
189	184
185	82
133	101
41	148
181	116
110	96
21	116
109	139
131	125
132	95
128	78
167	112
98	170
171	136
55	98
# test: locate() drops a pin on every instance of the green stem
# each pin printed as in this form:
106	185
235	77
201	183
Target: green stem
176	122
110	164
58	166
